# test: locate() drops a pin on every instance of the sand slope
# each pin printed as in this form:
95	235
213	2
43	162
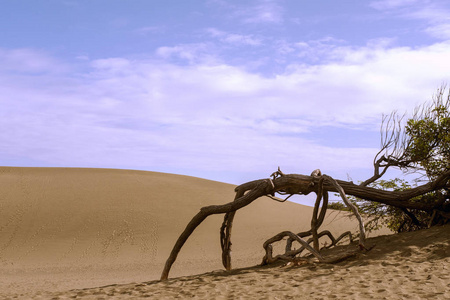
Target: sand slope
406	266
66	228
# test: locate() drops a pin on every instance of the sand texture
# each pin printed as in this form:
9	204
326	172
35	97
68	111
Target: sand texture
64	233
405	266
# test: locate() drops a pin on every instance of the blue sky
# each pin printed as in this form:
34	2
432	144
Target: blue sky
224	90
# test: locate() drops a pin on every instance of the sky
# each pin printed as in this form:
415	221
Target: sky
223	90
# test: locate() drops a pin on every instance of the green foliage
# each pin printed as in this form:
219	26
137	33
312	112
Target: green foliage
380	215
429	144
338	206
421	144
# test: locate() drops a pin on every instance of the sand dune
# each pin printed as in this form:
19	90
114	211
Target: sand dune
66	228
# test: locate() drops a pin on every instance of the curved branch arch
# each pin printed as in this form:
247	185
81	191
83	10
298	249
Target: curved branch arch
249	192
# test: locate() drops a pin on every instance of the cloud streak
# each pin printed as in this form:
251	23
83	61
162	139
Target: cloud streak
233	38
24	60
435	14
267	11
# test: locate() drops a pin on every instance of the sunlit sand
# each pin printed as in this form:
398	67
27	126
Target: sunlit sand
103	233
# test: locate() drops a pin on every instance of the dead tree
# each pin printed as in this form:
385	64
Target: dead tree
291	184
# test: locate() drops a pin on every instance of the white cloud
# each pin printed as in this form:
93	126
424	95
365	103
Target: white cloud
190	53
313	50
267	11
212	116
112	64
233	38
440	31
29	61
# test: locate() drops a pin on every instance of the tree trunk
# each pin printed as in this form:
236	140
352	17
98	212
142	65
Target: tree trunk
401	199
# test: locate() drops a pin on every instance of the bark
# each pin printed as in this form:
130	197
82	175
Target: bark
268	247
292	253
225	239
377	165
316	220
268	258
401	199
362	231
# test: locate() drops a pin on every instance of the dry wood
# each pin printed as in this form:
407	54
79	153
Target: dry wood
395	198
268	247
261	189
314	222
334	241
290	184
362	231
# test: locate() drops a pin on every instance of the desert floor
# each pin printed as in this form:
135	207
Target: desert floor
101	233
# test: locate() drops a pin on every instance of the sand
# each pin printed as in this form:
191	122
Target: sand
405	266
103	233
